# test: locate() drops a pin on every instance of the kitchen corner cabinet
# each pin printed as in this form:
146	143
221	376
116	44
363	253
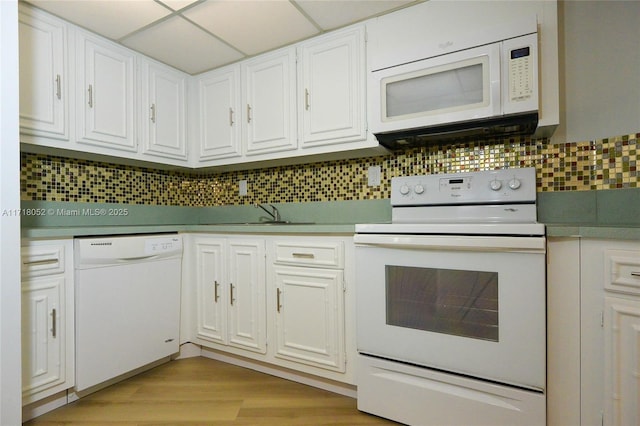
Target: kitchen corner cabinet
269	94
332	88
163	111
219	114
44	75
308	282
47	319
105	94
230	280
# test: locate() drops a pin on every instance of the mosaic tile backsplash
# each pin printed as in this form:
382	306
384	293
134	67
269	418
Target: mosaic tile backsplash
593	165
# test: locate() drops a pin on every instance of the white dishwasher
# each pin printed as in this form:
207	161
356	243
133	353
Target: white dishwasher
127	304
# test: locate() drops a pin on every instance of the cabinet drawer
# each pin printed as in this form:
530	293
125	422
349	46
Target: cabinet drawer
320	255
622	271
42	260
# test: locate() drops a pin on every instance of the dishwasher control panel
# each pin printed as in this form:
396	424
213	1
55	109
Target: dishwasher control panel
162	245
113	250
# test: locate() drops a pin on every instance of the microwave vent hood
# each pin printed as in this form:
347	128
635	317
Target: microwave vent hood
490	128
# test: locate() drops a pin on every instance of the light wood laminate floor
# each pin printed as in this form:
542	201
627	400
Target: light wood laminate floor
202	391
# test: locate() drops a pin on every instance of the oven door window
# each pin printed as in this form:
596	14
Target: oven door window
457	302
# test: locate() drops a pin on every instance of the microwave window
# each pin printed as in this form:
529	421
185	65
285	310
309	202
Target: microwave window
449	89
457	302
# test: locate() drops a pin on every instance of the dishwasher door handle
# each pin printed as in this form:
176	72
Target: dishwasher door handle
129	259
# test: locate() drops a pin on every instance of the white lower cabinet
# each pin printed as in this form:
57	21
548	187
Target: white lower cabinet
622	361
279	300
593	332
231	292
309	303
47	319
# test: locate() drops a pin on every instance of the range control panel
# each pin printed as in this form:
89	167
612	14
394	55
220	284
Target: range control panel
484	187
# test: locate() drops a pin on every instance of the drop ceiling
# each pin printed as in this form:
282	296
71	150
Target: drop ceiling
199	35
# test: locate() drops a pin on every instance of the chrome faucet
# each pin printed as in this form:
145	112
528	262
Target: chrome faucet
274	213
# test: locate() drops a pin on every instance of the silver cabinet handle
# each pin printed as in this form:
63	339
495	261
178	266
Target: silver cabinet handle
58	87
635	274
153	113
278	304
306	99
304	255
248	113
53	325
231	299
216	296
90	96
41	262
231	117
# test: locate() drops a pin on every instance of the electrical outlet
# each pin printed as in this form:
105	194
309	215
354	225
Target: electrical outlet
374	175
242	188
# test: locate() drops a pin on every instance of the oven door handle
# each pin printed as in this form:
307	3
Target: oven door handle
453	242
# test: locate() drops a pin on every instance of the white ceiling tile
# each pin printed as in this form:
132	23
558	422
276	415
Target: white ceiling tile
177	4
330	14
106	17
178	43
253	26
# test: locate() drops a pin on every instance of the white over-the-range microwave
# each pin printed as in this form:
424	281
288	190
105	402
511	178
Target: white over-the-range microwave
482	92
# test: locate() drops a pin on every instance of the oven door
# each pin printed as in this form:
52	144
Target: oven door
473	305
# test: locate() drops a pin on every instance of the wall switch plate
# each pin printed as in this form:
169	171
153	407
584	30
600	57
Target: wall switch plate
242	188
374	175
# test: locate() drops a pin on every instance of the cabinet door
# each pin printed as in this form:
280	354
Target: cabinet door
44	94
105	94
164	112
43	358
310	316
220	114
622	361
332	89
269	102
247	310
212	294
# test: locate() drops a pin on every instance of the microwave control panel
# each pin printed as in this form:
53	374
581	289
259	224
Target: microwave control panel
520	73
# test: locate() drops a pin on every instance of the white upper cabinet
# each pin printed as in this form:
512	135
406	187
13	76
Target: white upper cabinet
219	114
105	93
163	111
331	88
83	93
44	76
269	91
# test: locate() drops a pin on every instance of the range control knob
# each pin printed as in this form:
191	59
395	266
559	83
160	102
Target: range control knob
514	183
495	185
418	189
404	189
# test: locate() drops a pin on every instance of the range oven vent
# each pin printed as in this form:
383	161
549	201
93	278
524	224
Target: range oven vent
477	130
